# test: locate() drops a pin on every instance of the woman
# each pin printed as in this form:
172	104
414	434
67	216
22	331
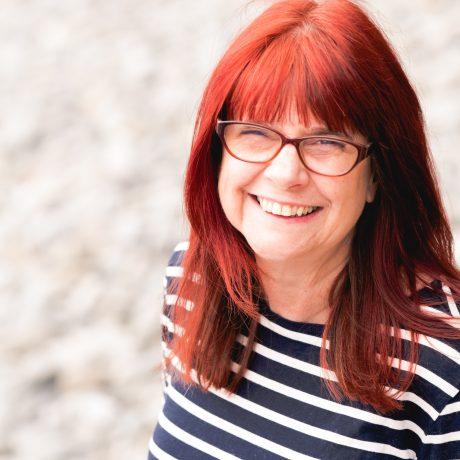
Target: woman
313	313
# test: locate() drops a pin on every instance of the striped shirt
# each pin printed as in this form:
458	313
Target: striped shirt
282	408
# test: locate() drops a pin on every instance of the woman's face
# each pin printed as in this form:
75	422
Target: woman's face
287	181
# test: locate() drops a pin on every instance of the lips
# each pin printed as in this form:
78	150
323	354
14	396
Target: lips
255	197
291	218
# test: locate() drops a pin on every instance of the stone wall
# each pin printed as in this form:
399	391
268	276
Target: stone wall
96	110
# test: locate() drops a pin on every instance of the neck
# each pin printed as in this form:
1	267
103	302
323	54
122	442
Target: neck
298	288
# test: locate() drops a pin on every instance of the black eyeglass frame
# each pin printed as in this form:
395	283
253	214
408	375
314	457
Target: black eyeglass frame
363	149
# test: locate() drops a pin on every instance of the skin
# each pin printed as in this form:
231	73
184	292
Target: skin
299	261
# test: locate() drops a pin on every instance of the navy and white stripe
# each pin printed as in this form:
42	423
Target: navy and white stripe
283	410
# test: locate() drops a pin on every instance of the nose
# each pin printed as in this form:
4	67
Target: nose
286	169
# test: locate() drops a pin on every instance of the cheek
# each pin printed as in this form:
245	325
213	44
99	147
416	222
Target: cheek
347	196
225	185
235	178
231	185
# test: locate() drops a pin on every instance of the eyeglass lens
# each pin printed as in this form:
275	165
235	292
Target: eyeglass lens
258	144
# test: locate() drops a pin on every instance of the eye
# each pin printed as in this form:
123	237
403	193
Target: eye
331	142
323	146
256	132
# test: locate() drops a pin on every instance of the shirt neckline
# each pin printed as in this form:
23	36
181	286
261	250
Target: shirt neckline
308	327
298	326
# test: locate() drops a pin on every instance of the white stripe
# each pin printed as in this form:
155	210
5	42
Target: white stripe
191	440
171	299
294	424
445	437
159	453
231	428
451	408
289	360
294	335
436	312
426	374
450	301
172	327
175	271
414	398
425	340
182	246
453	321
433	343
329	405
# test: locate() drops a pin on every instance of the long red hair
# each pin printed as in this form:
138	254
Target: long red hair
329	59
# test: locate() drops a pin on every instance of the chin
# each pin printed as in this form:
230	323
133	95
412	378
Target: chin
274	250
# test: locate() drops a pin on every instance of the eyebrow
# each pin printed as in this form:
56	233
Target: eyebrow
318	131
325	130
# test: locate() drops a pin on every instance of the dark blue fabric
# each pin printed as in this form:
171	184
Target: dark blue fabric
282	409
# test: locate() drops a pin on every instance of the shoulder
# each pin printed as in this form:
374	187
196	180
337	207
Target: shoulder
440	294
177	254
439	374
438	367
174	266
169	329
173	272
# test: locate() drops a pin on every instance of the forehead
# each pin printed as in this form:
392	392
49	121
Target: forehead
294	124
290	119
290	79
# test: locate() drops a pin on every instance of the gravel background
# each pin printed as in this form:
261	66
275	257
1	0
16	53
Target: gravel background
97	101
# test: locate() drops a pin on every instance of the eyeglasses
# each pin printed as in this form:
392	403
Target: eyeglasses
325	155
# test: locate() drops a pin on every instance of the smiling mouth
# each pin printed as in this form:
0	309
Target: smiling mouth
285	211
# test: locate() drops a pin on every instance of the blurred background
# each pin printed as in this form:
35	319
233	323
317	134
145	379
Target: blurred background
97	103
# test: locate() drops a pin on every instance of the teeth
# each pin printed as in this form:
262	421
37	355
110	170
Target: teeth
276	209
284	210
